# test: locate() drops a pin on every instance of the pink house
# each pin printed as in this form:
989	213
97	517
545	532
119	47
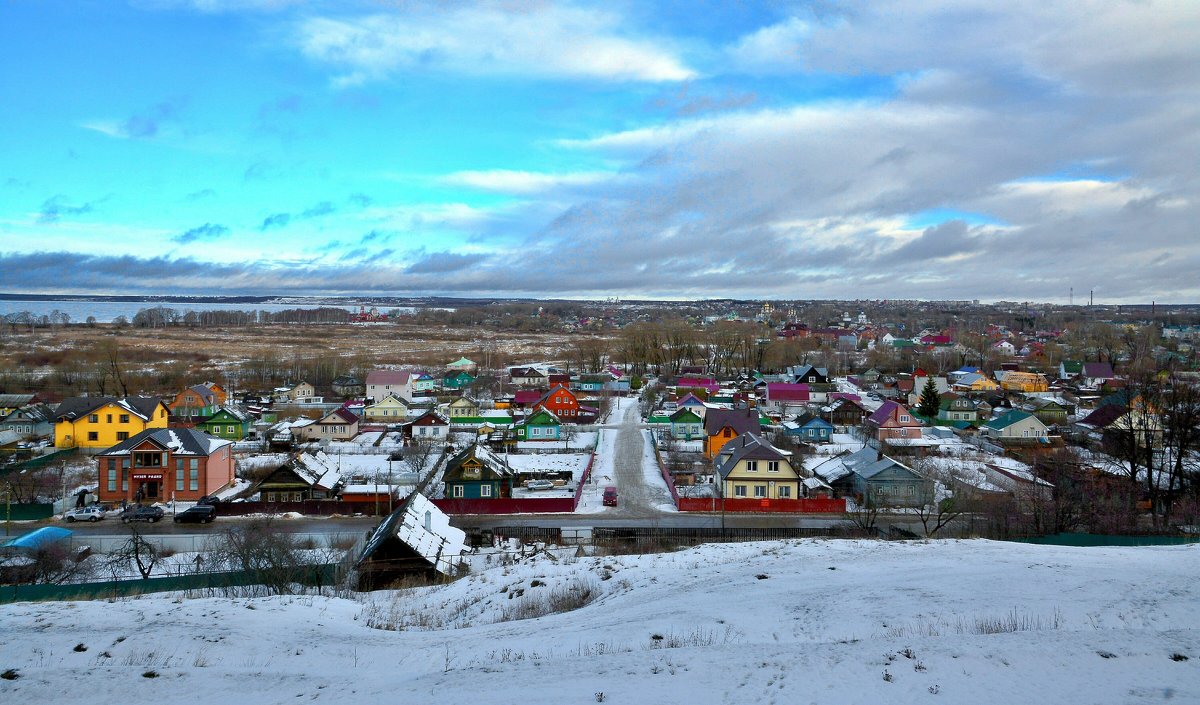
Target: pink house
893	420
708	384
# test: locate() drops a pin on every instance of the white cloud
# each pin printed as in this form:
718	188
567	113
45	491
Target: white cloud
776	48
541	40
523	183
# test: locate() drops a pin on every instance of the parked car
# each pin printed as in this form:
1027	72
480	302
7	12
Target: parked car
200	514
539	484
209	499
610	496
142	513
93	512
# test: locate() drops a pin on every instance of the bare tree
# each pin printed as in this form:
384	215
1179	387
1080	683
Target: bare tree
946	495
135	552
418	453
268	556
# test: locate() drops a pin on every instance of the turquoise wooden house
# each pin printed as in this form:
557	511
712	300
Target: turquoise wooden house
478	473
541	425
687	425
589	383
809	428
456	379
423	383
228	423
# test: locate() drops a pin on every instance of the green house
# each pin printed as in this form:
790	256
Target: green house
687	424
228	423
456	379
541	425
477	473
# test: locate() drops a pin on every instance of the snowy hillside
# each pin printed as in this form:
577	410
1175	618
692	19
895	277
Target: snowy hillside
780	622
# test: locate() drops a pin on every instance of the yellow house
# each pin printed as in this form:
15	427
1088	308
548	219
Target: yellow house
462	406
752	468
390	408
976	383
1024	382
102	422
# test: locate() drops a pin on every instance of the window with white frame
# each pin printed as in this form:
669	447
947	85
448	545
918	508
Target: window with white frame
772	466
751	466
739	490
485	490
784	491
458	491
760	491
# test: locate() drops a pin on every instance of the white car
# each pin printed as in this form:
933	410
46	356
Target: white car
90	513
539	485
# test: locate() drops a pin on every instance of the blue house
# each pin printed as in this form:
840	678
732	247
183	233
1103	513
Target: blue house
810	428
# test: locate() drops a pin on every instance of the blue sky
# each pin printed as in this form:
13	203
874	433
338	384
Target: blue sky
659	149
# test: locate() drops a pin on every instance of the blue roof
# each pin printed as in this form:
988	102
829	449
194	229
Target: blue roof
38	538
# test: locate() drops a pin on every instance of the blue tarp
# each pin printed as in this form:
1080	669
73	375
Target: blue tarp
38	538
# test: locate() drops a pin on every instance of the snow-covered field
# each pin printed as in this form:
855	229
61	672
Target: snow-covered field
816	621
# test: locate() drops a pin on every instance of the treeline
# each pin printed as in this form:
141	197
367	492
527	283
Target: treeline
163	316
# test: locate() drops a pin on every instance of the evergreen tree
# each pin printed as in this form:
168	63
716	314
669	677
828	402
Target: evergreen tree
928	405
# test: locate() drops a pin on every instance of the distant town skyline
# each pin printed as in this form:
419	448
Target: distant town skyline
657	150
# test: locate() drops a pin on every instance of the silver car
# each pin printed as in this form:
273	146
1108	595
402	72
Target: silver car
89	513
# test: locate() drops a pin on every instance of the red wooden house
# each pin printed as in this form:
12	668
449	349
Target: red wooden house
562	402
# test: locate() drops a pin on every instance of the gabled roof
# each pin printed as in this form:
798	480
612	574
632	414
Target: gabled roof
540	411
1071	367
232	412
803	371
180	441
1098	370
76	407
886	411
1104	416
808	418
388	377
1009	418
339	415
16	399
868	463
430	418
681	415
526	372
484	456
32	412
740	420
318	470
425	529
748	446
555	390
394	397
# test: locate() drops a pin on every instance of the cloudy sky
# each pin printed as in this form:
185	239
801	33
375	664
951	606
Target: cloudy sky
684	148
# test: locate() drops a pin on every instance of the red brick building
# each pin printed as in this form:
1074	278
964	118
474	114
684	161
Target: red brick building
159	464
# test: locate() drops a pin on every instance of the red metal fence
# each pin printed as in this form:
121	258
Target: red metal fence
799	506
557	505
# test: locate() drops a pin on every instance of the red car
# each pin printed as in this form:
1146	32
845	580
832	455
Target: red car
610	496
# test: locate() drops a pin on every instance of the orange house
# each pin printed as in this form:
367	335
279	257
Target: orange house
197	402
561	402
723	425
